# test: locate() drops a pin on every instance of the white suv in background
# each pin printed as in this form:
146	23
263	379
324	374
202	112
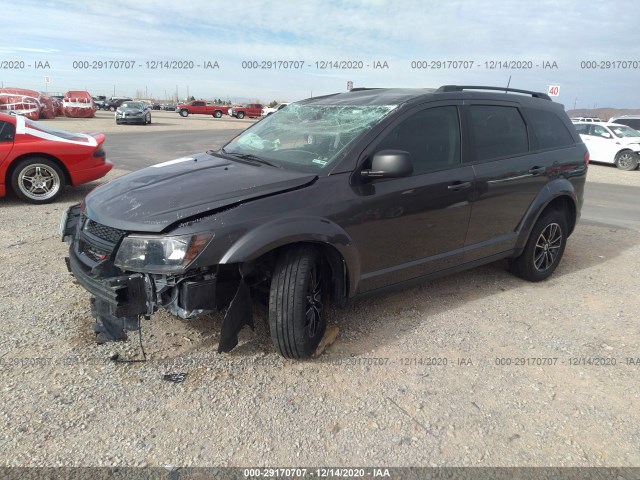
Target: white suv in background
611	143
585	119
632	121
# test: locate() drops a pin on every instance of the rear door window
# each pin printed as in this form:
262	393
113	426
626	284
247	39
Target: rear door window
499	131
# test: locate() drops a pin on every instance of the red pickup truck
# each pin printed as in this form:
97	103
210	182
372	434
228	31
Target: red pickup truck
202	107
248	110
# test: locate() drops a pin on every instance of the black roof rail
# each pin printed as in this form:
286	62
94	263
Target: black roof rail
460	88
361	89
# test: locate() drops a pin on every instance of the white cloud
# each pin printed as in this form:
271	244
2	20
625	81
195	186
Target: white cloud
397	32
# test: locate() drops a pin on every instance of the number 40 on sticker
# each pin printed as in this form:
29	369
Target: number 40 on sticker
554	90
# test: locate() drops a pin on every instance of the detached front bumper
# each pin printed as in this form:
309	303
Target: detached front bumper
126	295
120	298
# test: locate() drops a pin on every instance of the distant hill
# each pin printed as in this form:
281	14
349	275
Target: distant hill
603	113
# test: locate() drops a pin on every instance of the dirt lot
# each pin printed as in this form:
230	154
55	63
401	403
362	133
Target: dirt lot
479	368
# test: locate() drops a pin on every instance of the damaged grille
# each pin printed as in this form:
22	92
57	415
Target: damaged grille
100	241
109	234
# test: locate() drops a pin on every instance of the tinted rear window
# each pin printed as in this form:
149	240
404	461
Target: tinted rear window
499	131
549	129
631	122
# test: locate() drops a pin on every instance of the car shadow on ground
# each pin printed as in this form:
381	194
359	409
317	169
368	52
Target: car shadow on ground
378	320
375	321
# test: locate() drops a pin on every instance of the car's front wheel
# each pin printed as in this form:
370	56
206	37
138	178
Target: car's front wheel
217	114
184	113
37	180
296	302
544	248
627	160
240	115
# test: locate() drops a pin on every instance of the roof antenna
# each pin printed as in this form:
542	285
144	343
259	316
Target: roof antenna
508	83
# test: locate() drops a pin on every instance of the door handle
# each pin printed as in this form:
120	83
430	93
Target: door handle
537	170
457	186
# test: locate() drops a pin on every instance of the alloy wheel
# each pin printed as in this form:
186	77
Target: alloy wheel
314	301
547	247
38	181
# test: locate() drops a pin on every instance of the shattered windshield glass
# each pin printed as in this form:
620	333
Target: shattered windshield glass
307	137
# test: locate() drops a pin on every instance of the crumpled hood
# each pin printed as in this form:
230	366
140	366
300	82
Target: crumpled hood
155	197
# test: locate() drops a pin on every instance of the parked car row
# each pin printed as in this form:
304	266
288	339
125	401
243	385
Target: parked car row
202	107
585	119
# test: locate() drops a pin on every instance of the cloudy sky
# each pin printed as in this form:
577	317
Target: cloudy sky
480	38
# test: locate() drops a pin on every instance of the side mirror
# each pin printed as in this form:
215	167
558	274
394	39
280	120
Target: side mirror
605	135
389	164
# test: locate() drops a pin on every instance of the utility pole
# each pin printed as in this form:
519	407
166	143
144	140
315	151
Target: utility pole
574	104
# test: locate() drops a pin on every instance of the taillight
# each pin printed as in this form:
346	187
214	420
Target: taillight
99	153
586	158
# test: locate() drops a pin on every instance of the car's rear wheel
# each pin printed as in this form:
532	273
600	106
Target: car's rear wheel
37	180
544	248
184	113
217	114
240	115
296	302
627	160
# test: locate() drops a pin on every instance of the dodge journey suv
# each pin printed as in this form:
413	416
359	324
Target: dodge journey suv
331	198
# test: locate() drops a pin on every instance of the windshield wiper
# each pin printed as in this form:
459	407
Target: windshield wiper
248	156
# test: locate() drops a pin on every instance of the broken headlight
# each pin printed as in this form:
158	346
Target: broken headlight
160	254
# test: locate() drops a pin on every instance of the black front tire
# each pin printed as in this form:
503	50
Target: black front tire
184	113
240	115
217	114
544	248
296	302
627	160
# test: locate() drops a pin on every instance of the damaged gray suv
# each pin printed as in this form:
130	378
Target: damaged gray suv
328	199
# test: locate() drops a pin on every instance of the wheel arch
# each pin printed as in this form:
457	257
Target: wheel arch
559	195
330	239
48	156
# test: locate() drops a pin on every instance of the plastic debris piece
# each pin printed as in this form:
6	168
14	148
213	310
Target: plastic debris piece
175	377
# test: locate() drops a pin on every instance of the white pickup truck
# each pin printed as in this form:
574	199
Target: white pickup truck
269	110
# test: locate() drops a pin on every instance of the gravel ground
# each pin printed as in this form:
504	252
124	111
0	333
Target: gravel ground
370	399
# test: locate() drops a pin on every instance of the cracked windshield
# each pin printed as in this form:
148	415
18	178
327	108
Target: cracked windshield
308	138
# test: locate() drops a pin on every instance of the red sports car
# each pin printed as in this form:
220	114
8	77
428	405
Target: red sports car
36	161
